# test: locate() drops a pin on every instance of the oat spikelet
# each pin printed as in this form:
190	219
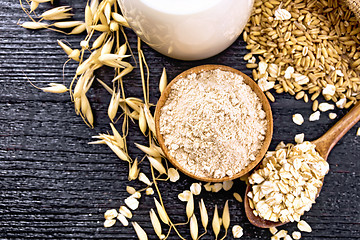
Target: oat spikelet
216	222
114	105
94	6
119	152
68	50
139	231
79	29
33	6
117	136
190	206
107	12
134	171
34	25
67	24
203	214
99	41
161	211
226	218
100	28
194	228
55	88
163	81
142	121
148	150
157	165
88	17
57	13
150	120
120	19
106	49
155	223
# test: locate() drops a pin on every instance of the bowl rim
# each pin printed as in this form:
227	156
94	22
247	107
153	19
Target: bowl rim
265	104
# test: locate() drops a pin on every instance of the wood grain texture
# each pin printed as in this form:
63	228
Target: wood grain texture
55	186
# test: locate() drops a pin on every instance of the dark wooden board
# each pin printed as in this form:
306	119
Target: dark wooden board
53	185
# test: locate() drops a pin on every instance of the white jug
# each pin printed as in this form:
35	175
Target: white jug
187	29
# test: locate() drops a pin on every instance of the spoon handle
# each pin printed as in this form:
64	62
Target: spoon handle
325	143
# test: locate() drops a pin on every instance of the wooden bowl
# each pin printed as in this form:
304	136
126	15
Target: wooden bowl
254	87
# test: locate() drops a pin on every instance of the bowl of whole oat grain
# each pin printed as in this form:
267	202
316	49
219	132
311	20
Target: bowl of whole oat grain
213	123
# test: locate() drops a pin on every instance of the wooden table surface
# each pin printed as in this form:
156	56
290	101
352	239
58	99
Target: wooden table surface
53	185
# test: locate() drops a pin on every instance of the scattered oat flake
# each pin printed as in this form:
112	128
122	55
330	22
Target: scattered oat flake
299	138
265	85
273	230
329	90
314	116
130	190
304	226
339	73
282	14
227	185
195	188
332	115
110	214
296	235
281	234
287	237
184	196
173	174
208	187
216	187
149	191
237	231
237	197
143	178
125	211
358	132
326	107
288	72
262	67
298	119
341	103
109	223
132	203
123	220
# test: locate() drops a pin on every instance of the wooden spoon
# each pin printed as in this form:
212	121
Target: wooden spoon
254	87
324	144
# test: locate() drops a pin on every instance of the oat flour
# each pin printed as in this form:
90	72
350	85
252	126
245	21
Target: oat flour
213	123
